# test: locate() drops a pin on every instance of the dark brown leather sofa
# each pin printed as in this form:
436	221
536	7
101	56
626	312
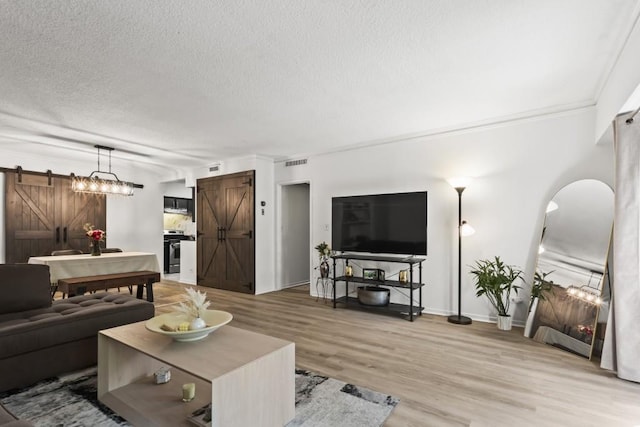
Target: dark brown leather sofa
40	338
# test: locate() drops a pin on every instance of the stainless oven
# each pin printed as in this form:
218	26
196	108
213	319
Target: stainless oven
172	240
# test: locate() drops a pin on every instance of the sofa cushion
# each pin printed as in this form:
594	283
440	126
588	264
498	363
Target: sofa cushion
69	320
24	287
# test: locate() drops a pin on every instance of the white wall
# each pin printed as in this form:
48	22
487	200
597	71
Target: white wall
294	235
265	223
621	83
176	189
518	167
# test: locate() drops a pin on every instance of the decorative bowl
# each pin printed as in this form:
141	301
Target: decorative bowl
213	318
373	295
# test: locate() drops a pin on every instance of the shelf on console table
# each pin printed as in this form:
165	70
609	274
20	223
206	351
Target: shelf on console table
390	309
409	309
392	283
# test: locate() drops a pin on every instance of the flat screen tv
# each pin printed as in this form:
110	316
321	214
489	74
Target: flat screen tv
380	223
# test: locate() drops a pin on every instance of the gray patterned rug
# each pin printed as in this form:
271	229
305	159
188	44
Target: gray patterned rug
70	401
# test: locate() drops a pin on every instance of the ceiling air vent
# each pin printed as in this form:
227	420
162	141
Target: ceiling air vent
295	162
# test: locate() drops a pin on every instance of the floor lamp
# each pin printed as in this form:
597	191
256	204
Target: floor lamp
463	229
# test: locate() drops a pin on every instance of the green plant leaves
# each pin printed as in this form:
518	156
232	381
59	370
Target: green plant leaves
495	280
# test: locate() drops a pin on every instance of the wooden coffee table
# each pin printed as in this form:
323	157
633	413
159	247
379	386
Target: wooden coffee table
248	378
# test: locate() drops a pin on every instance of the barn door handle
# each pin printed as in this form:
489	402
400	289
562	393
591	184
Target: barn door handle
57	234
248	234
64	235
219	233
224	233
199	233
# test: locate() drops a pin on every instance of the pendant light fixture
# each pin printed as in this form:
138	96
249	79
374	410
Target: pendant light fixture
96	185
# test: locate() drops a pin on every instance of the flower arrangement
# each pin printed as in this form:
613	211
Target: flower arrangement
96	235
323	250
585	329
195	305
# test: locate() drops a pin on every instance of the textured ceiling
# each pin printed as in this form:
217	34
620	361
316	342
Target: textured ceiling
188	83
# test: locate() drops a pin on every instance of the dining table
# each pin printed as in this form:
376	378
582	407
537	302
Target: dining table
66	266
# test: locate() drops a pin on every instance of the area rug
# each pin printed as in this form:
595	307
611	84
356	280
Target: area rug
71	401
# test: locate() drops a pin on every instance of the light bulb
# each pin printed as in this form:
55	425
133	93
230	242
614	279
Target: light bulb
459	181
466	229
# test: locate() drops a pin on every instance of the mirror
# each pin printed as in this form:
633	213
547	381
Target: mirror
568	308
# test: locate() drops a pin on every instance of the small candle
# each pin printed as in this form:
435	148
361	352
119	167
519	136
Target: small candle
402	277
188	392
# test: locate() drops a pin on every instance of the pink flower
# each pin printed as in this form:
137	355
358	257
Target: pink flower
585	329
94	234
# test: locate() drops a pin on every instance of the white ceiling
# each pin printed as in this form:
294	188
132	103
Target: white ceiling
189	83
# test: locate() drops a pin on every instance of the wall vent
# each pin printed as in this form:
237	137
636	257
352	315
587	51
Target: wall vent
295	162
215	168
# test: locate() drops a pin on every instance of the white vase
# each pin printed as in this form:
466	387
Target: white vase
197	323
504	323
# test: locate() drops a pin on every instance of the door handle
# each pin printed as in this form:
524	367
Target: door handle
219	234
57	234
224	233
64	235
248	234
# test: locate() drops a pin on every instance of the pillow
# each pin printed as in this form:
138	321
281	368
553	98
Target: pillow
24	287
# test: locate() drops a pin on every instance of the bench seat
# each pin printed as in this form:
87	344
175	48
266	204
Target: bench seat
80	285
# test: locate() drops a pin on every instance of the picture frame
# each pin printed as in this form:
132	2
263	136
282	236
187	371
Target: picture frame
373	274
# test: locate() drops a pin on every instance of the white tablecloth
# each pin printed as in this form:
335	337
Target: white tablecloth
547	335
65	266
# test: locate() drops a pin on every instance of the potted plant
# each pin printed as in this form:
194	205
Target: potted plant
540	287
496	280
324	251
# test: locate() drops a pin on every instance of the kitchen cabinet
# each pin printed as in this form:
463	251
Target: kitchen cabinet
178	205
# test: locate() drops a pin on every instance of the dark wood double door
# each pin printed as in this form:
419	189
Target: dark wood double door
226	244
43	214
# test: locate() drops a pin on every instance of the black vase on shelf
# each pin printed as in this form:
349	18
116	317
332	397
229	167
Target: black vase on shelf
324	269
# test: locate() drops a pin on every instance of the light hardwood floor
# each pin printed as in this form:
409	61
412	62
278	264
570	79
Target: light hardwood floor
444	374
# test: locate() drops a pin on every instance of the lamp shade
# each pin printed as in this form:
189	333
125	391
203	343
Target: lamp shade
459	181
466	229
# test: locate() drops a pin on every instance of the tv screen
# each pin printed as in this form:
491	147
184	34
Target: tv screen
380	223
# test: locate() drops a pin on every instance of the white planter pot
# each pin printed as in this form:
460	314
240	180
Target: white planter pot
504	323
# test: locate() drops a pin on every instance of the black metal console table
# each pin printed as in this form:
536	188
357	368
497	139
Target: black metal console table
409	310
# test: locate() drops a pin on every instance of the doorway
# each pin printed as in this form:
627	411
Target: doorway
295	231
